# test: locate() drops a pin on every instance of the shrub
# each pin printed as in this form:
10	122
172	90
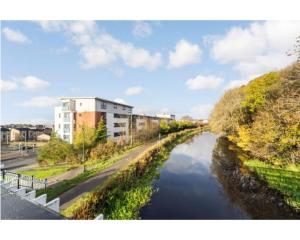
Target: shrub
55	151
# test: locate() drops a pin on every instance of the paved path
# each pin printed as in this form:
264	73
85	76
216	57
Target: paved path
67	198
65	176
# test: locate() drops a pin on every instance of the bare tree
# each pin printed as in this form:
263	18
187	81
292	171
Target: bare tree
295	51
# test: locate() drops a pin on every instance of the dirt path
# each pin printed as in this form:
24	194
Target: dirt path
67	198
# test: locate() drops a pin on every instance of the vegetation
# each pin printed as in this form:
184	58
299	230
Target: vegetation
284	179
125	193
175	126
91	170
263	118
46	172
101	132
56	151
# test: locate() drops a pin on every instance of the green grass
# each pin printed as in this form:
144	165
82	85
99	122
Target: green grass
46	172
284	179
61	187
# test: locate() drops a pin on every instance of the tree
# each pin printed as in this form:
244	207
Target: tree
55	151
85	136
101	132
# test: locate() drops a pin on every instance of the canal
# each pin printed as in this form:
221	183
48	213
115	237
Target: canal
187	188
194	184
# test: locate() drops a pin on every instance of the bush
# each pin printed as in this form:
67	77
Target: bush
54	152
175	126
105	150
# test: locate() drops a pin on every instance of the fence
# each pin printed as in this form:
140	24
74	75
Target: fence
20	180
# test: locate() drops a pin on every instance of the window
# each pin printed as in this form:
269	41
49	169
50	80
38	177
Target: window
66	117
66	137
103	105
124	108
66	128
119	124
115	106
80	104
59	115
58	125
116	115
66	106
118	134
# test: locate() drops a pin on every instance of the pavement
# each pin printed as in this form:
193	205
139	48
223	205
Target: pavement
28	160
68	197
65	176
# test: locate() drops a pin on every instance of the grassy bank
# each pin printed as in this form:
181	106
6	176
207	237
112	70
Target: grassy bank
125	193
46	172
284	179
92	170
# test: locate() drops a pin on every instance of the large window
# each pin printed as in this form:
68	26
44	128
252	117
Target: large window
66	117
66	128
118	134
66	106
116	115
119	124
103	105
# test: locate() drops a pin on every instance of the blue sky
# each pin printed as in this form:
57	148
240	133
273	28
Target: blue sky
181	67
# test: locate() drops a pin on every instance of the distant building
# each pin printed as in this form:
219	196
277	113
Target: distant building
43	137
166	116
75	112
5	135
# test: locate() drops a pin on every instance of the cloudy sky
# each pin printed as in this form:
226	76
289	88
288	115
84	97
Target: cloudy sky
180	67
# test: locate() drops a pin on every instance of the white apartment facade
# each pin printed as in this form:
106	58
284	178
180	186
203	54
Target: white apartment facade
76	112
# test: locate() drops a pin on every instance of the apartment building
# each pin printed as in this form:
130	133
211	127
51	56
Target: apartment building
166	116
76	112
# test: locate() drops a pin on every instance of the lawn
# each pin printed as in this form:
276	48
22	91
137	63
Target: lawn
285	179
46	172
92	170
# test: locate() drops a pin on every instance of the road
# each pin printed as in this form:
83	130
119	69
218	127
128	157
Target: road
19	162
67	198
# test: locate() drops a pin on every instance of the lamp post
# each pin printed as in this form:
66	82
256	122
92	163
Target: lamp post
83	143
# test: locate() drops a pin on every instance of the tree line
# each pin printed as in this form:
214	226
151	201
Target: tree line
263	117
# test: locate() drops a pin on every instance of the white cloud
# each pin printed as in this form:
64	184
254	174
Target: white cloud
202	82
201	111
134	90
99	48
40	101
185	53
141	29
258	48
120	100
34	83
14	35
6	86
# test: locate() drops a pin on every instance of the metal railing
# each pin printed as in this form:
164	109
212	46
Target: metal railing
19	180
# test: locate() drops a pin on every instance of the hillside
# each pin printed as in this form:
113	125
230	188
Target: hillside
263	117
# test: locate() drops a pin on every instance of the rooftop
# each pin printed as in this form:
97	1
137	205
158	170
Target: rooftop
97	98
14	207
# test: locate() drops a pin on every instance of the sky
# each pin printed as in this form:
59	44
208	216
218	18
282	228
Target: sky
178	67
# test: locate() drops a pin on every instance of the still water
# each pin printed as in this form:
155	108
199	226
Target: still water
188	188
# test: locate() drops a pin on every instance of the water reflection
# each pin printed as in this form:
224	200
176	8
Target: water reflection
187	188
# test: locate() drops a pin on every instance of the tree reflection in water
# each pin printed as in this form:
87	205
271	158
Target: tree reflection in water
243	188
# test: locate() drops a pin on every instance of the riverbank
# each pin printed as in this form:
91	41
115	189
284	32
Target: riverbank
124	194
246	187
